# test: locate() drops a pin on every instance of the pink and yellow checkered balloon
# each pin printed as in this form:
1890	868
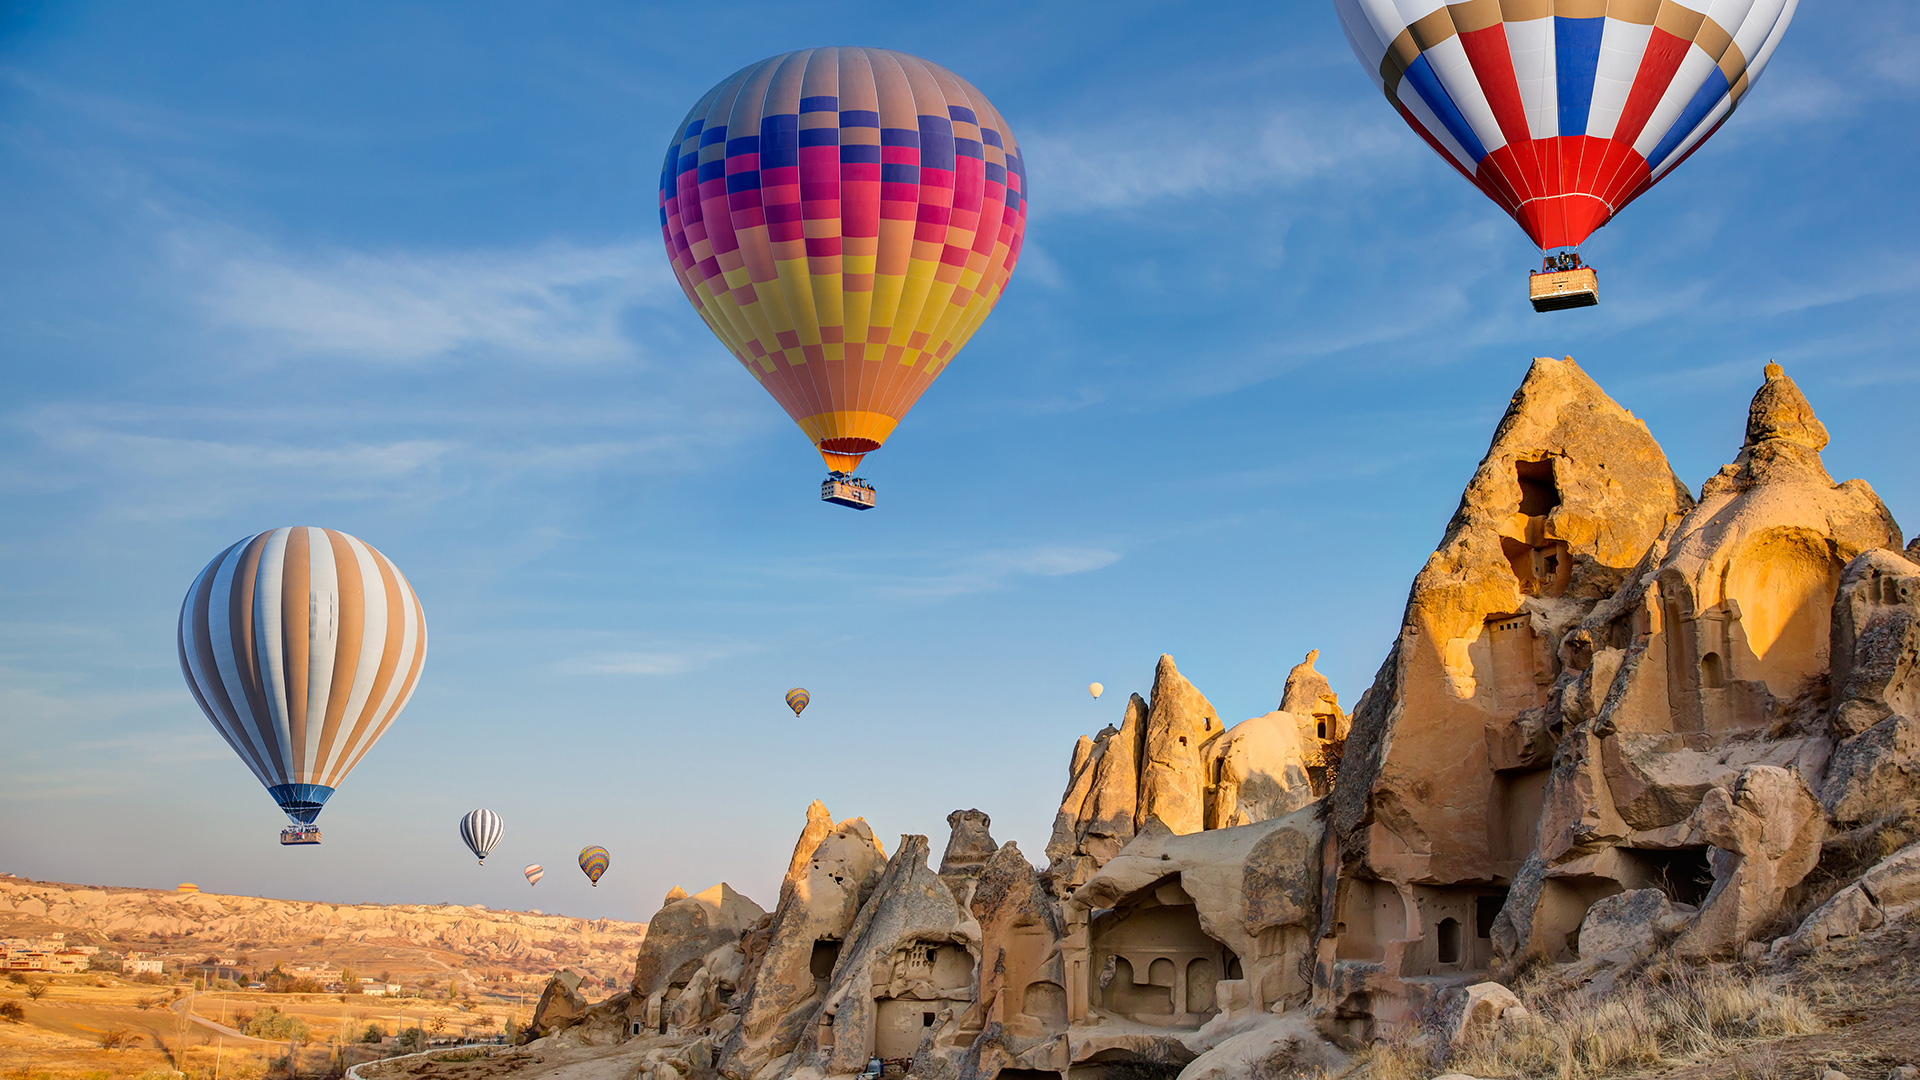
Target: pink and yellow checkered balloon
843	219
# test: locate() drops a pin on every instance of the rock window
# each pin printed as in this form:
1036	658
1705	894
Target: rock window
1713	674
926	1019
1538	493
820	964
1447	940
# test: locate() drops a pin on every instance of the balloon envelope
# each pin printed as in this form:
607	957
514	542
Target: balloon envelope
534	873
1564	113
593	862
301	645
1096	689
843	219
797	699
481	830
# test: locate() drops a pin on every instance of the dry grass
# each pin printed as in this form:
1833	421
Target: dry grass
1663	1018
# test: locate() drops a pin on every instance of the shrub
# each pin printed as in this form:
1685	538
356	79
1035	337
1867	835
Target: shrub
271	1023
11	1011
373	1034
37	989
115	1038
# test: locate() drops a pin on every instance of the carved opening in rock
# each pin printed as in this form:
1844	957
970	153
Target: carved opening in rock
1712	672
636	1027
820	964
899	1026
1153	939
1233	967
1485	910
1447	941
1520	797
1202	977
1538	492
1046	1002
1320	727
1682	873
1374	916
1443	947
1116	1064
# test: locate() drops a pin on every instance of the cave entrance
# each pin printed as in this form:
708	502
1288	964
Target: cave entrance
826	953
1684	874
1156	965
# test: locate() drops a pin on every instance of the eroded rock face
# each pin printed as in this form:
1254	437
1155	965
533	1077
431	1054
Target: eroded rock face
1445	762
969	846
905	974
1173	774
1766	835
1310	697
1019	1016
829	879
686	929
561	1003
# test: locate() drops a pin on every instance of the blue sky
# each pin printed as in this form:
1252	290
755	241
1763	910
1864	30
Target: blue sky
395	269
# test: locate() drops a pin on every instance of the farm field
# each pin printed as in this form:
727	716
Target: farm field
104	1027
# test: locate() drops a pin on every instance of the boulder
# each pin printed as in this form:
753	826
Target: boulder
685	931
1625	926
1173	773
1469	1011
1261	771
1766	834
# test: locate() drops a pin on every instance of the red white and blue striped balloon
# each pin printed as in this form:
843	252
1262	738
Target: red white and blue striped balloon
481	830
1564	111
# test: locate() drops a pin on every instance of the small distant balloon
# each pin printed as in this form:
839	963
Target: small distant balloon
534	873
1096	689
481	830
593	863
797	700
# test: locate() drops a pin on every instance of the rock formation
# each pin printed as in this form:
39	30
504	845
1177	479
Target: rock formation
1615	724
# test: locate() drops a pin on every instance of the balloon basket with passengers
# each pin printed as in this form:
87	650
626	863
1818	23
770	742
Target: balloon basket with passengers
1563	281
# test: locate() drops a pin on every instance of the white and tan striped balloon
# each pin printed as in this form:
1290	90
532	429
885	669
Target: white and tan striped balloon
302	645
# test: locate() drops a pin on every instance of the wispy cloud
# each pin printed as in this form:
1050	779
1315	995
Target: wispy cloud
1142	157
676	661
990	570
556	303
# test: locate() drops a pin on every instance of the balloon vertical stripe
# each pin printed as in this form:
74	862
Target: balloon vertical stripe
480	830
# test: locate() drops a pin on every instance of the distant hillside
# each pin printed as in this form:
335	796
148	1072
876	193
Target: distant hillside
413	942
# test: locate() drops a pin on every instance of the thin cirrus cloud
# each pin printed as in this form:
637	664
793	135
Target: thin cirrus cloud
988	571
646	662
555	303
1144	157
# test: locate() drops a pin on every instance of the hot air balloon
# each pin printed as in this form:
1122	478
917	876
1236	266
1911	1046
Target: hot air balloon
797	699
481	830
301	645
534	873
1096	689
593	863
843	219
1565	112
